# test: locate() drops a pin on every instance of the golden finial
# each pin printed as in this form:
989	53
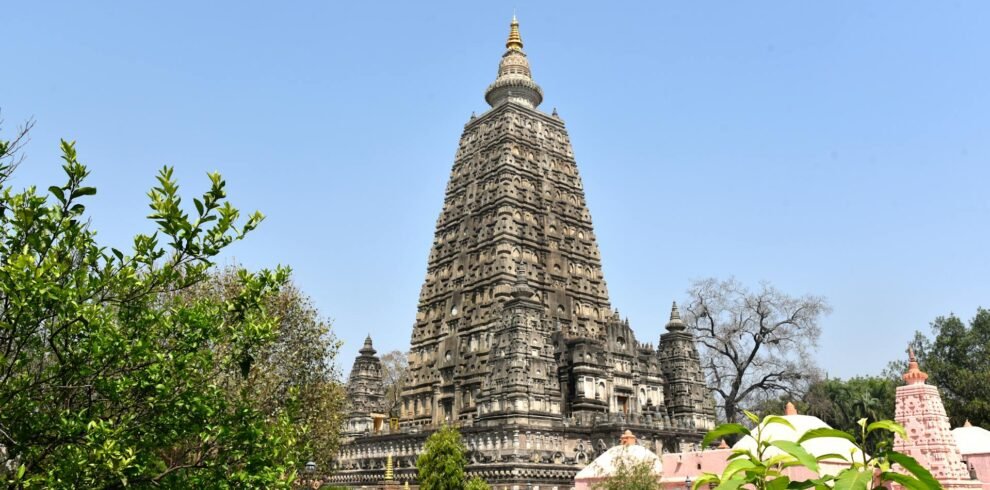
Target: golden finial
515	40
389	475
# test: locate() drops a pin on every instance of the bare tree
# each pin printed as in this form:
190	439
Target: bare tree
754	345
10	155
394	366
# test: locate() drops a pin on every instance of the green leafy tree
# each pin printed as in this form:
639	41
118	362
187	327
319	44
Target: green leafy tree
631	476
108	377
957	360
476	483
842	403
441	466
297	365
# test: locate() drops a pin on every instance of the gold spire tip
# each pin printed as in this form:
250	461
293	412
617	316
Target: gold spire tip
515	40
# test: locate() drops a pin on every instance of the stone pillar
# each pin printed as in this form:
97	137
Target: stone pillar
435	406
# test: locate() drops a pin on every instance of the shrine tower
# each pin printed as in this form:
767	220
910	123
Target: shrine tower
930	441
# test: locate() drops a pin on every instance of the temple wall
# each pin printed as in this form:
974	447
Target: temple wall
981	464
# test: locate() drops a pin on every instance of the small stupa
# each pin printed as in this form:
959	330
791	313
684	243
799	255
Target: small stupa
389	482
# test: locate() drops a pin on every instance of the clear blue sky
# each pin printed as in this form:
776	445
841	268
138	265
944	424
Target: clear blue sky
835	148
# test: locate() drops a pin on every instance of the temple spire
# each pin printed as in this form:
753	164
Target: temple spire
675	324
514	82
515	40
368	349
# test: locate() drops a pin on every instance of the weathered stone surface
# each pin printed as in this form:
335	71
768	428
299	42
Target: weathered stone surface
365	393
515	339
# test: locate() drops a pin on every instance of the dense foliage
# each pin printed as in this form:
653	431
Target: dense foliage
108	376
843	403
297	364
630	476
476	483
441	465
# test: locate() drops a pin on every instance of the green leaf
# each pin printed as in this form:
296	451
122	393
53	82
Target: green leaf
751	416
852	479
704	479
735	467
889	425
722	431
799	453
83	191
825	432
803	484
777	419
908	482
913	467
824	457
57	192
779	483
732	484
779	459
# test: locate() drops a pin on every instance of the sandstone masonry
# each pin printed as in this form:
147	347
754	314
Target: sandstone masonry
515	340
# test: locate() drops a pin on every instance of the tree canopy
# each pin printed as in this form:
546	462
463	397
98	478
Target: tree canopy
842	403
297	364
109	375
394	367
442	463
631	476
755	345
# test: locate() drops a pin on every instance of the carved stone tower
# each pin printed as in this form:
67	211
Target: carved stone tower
919	409
515	340
514	198
690	400
365	393
522	386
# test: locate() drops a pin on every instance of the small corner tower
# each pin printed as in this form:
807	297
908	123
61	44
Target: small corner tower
689	401
522	387
365	393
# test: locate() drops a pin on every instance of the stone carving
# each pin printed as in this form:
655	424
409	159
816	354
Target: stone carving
365	394
919	409
515	339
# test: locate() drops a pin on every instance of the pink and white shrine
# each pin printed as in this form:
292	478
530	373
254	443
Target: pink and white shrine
959	458
930	441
